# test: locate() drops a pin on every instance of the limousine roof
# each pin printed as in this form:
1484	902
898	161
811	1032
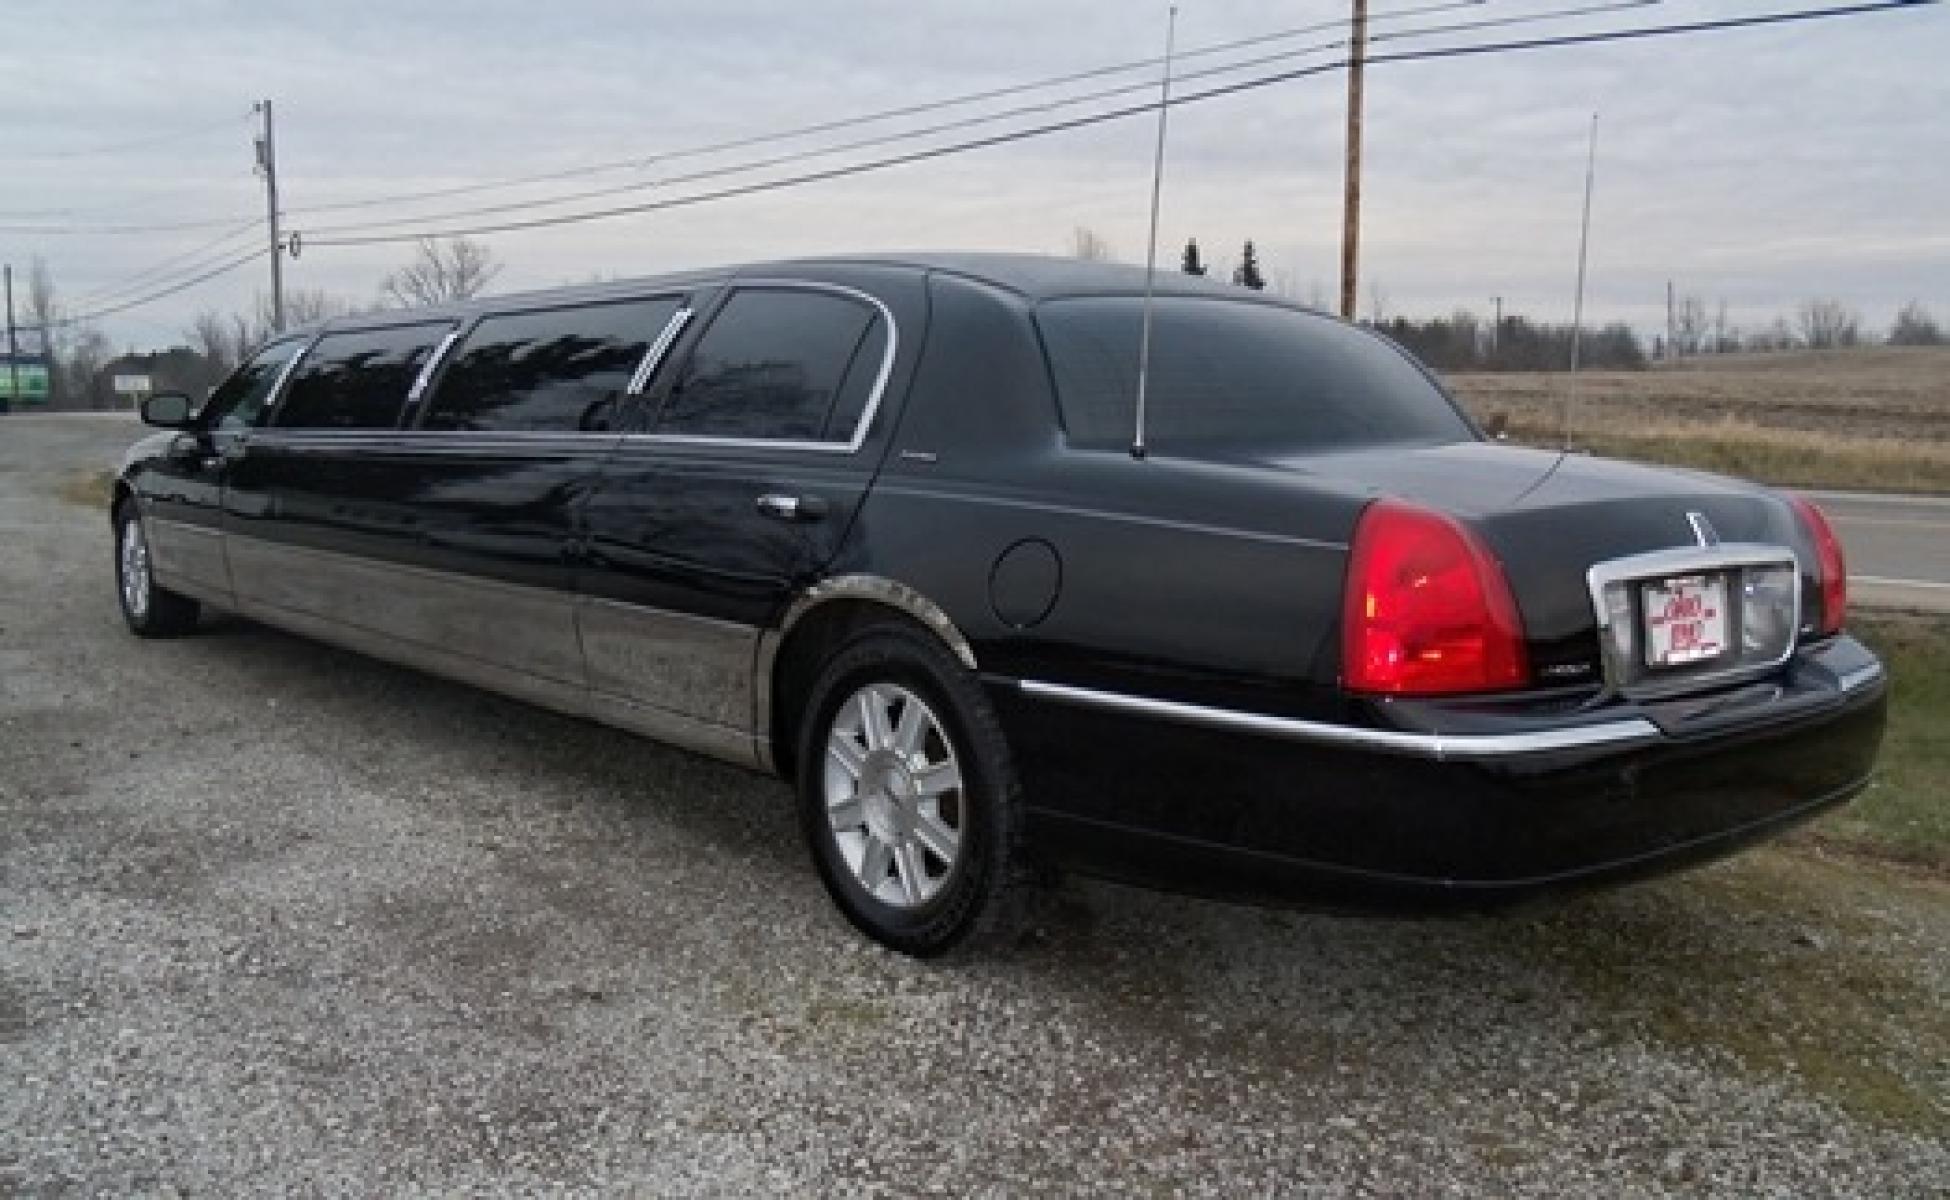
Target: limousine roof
1031	276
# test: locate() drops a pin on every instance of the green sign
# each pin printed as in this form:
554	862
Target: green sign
32	374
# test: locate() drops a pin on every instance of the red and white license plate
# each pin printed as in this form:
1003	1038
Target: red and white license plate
1685	620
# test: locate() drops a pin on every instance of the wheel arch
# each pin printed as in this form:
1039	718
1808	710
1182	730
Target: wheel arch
817	622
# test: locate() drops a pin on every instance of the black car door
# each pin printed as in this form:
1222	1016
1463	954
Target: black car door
455	534
183	489
734	489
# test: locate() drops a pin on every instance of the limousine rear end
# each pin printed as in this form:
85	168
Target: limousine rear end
882	526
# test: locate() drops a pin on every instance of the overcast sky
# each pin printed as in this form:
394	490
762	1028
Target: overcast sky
1762	167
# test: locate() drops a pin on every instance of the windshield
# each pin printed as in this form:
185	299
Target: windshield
1236	374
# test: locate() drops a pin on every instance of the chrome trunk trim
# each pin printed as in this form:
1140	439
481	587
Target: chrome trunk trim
1621	677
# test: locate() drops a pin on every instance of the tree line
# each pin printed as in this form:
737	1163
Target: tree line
79	353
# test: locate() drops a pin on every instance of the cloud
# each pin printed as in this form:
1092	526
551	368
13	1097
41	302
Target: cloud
1760	166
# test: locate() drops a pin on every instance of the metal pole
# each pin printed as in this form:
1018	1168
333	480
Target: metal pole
13	345
267	158
1672	349
1151	247
1577	307
1351	204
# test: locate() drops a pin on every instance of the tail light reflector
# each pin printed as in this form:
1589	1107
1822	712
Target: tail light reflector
1427	610
1833	575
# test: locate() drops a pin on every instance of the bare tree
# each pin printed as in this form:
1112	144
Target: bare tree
1723	340
1828	323
1085	243
1915	327
454	269
1689	326
43	312
210	335
1377	304
88	352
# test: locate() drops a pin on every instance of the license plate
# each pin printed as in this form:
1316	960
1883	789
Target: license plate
1685	620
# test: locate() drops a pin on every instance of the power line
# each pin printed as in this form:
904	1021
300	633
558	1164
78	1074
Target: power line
980	143
167	265
117	230
181	285
960	123
159	139
885	114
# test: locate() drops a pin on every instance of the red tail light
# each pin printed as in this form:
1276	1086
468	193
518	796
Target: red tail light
1427	610
1834	568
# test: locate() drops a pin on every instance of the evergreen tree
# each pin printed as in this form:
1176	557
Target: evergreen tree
1246	274
1191	263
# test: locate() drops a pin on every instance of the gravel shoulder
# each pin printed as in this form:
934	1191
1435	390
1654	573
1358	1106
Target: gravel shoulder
275	917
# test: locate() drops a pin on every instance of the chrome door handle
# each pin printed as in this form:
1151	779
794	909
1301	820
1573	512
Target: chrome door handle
791	508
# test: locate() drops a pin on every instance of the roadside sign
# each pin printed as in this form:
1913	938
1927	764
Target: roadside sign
31	374
132	385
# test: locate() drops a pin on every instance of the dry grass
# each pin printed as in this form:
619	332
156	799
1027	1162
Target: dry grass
1876	417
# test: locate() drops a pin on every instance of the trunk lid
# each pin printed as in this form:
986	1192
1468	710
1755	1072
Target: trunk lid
1550	517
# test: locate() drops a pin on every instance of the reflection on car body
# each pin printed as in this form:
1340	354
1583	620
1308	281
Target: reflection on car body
874	524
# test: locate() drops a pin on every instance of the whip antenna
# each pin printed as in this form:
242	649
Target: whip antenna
1151	247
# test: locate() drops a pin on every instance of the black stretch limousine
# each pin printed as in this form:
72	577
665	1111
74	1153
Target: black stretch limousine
879	525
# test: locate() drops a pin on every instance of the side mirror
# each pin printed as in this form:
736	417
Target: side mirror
167	410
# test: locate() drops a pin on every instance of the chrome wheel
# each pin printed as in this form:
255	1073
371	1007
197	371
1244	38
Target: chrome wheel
893	793
135	569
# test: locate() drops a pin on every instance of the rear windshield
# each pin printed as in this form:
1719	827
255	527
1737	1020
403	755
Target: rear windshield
1226	373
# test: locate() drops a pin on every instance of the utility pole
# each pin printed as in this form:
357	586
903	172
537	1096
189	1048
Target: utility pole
13	346
1351	210
267	162
1672	349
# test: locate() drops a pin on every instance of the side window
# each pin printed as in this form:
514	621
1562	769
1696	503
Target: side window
775	364
560	369
358	380
239	401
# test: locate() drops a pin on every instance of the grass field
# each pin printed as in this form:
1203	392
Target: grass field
1873	417
1905	814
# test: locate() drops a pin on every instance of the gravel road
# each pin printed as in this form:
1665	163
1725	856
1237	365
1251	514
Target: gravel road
277	918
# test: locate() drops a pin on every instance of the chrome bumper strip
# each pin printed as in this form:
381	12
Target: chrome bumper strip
1861	676
1442	747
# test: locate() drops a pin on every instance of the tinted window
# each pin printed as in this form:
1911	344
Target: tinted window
566	368
1229	372
358	380
772	365
238	402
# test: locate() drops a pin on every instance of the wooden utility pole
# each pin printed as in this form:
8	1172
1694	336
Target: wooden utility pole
267	162
1351	211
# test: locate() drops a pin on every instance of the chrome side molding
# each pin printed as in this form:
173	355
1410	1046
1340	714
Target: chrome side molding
1442	747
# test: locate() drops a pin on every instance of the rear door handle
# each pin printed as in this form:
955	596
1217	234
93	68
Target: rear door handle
791	508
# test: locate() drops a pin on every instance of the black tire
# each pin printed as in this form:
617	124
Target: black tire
151	611
979	895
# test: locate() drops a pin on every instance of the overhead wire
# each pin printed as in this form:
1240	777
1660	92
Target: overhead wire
641	162
989	118
180	285
173	263
1638	33
144	143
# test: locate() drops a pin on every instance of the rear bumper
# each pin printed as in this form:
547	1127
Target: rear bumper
1438	808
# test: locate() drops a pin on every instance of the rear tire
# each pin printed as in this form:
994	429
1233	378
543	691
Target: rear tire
908	797
151	611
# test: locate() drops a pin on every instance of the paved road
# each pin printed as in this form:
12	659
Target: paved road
276	918
1898	546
